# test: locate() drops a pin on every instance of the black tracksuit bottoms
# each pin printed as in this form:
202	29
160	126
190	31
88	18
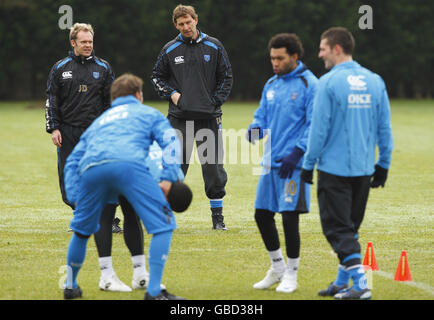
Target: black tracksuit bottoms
133	234
209	144
70	137
342	203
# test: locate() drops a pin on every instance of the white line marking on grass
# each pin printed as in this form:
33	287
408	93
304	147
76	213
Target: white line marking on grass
387	275
419	285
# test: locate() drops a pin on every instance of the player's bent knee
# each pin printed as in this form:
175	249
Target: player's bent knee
81	235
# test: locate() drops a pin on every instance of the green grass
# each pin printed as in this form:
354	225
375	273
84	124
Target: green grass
204	264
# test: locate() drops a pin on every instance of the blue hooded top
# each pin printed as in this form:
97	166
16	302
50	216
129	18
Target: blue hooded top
284	113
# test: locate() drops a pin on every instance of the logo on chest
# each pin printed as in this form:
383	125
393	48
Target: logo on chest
206	57
270	95
95	74
67	75
179	59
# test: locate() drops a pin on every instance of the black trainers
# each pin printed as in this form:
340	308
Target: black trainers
72	293
115	226
217	222
332	290
353	294
164	295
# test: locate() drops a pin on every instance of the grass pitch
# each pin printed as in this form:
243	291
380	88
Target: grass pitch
205	264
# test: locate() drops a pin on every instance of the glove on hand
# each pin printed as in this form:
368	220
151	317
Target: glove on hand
254	133
379	178
307	176
289	163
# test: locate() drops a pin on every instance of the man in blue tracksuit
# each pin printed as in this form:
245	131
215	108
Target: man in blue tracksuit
109	281
351	116
109	161
284	113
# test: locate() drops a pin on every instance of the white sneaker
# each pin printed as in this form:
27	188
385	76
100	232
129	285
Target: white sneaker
288	283
142	282
113	284
271	278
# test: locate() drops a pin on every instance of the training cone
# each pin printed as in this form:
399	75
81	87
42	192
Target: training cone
370	257
403	270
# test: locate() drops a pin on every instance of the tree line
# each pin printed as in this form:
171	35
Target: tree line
130	34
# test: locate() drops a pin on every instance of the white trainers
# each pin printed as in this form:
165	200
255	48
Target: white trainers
288	283
113	284
142	282
271	278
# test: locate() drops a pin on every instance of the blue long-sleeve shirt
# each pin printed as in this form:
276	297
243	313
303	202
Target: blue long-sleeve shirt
285	113
125	132
351	116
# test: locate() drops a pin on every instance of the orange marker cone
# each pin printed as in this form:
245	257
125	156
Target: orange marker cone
370	257
403	270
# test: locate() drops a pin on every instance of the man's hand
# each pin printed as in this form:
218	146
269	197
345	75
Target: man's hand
175	98
307	176
289	163
165	186
379	178
56	137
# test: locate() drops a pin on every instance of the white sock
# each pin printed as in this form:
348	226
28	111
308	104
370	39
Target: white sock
292	264
277	261
106	267
139	266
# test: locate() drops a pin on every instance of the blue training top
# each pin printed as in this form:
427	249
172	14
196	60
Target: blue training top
125	132
351	115
285	112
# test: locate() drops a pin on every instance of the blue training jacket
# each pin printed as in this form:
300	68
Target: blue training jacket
351	115
154	162
124	132
285	111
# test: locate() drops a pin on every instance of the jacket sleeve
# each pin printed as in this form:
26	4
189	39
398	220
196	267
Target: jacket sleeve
71	170
224	79
260	115
312	87
160	76
110	77
384	131
167	139
52	119
320	126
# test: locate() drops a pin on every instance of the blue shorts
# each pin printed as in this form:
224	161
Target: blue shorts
107	181
281	195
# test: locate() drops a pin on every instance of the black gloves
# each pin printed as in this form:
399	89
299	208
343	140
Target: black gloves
307	176
289	163
379	178
254	133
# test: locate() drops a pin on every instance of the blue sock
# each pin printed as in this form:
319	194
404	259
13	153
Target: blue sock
75	259
158	252
216	203
357	274
343	276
